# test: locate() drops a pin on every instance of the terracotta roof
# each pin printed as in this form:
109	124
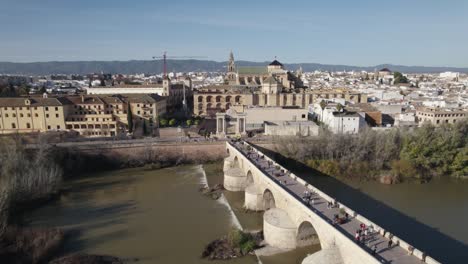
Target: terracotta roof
21	101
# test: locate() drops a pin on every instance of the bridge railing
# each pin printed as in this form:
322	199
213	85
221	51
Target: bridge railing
398	241
300	200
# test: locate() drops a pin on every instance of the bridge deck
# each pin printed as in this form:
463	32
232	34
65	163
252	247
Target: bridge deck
394	254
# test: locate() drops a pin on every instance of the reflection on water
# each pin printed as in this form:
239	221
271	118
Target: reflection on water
441	204
157	216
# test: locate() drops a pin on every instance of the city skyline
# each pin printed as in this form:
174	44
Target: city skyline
361	33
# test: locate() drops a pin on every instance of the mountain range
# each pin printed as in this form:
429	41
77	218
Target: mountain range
156	66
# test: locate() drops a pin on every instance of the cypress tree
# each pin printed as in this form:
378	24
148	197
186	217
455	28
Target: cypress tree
129	118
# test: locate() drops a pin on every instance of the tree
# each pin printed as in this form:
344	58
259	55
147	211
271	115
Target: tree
189	122
172	122
163	122
196	122
129	118
145	130
339	107
323	104
399	78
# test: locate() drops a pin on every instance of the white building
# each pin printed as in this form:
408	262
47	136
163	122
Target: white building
338	122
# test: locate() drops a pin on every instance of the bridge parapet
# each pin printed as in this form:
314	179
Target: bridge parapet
245	150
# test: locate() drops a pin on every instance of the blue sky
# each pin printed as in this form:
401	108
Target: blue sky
361	32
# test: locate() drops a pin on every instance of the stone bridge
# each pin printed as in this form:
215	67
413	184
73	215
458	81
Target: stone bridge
291	221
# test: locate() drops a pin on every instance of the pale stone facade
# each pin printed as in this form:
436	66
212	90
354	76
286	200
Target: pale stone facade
88	115
439	116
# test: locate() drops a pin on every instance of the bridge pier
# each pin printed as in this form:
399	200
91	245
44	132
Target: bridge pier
228	164
235	180
278	229
329	255
253	198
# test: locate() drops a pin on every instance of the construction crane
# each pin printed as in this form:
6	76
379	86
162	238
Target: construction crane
165	57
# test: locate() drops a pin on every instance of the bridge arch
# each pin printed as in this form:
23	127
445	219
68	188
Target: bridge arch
268	200
306	234
250	179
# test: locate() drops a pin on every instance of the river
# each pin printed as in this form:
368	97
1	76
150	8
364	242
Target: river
157	216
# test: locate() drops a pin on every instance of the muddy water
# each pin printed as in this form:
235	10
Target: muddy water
157	216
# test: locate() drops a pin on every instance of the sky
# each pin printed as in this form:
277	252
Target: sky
359	32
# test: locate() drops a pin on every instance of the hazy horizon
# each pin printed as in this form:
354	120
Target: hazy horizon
359	32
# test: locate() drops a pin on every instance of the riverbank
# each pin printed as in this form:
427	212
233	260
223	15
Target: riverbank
33	178
235	244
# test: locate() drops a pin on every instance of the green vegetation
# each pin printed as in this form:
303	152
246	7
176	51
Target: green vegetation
130	119
244	241
163	122
422	153
172	122
399	78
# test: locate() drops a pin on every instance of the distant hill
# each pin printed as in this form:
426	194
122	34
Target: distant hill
140	66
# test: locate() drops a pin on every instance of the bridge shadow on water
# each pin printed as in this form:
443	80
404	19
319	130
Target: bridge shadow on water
427	239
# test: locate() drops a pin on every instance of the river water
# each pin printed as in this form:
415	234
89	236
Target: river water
157	216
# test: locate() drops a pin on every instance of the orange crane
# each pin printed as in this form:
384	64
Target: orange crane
165	57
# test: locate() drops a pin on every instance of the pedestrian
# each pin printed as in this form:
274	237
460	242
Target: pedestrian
374	250
313	201
356	236
390	242
366	232
347	216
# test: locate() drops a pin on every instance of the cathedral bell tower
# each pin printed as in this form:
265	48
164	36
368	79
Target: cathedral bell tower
231	70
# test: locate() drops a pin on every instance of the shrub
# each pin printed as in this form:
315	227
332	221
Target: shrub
248	246
172	122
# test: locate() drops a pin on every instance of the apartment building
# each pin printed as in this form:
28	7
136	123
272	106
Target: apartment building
438	116
87	115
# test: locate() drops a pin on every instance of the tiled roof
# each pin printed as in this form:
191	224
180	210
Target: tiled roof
21	101
252	70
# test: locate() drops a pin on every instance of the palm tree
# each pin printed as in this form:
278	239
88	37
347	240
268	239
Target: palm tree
323	104
339	107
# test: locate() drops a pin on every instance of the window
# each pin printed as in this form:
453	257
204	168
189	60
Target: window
13	125
303	116
29	115
36	115
58	127
47	115
20	108
56	108
14	115
47	108
21	115
6	115
138	112
28	125
56	115
48	127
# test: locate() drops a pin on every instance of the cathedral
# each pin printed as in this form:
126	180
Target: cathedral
257	75
262	86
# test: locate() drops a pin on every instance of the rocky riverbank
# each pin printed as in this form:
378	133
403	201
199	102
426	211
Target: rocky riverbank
234	245
214	192
41	245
